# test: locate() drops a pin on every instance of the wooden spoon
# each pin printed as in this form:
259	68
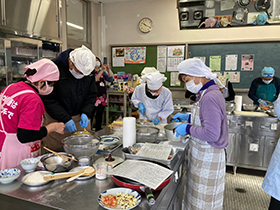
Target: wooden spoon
70	174
87	171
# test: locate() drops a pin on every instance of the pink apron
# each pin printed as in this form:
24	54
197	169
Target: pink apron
13	151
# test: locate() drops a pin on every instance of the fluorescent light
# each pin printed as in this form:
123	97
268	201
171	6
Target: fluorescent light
75	26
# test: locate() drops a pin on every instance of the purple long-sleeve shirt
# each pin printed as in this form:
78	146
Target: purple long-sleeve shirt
213	117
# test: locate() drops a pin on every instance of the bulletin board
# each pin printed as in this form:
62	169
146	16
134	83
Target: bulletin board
265	54
151	61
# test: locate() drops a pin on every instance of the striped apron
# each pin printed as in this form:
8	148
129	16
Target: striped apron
205	178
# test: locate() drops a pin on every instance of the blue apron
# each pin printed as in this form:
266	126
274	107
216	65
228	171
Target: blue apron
267	92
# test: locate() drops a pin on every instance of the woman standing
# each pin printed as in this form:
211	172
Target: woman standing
101	76
209	130
22	114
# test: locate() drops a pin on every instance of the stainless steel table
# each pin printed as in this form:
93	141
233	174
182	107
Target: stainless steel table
82	195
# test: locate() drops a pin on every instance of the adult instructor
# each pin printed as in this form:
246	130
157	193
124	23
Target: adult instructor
265	88
72	100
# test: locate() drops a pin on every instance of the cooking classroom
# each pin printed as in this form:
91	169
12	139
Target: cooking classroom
140	104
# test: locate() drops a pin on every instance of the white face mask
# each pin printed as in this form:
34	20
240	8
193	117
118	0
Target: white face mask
47	91
97	65
267	81
76	74
193	87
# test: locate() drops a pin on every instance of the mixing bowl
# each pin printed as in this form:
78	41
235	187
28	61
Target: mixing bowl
230	107
146	134
250	107
81	146
55	163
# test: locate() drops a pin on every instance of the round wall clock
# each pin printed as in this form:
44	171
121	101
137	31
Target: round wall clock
145	25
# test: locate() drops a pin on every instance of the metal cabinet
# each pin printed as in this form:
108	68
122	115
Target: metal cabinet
117	105
252	141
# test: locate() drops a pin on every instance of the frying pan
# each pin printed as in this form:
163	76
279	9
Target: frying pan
124	182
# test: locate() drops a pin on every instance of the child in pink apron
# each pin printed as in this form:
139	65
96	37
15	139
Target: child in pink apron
22	112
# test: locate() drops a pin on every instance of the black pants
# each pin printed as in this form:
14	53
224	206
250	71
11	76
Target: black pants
98	112
274	204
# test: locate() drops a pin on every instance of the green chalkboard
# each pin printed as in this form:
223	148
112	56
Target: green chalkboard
151	61
265	54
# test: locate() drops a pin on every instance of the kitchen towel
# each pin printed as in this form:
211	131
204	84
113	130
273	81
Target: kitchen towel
238	103
129	131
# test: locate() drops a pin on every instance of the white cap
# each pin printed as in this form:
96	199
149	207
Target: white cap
154	80
83	59
148	70
195	67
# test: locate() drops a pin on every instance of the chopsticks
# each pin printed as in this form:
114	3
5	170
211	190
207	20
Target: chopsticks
60	155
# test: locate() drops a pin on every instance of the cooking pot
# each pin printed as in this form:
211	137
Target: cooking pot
170	132
128	183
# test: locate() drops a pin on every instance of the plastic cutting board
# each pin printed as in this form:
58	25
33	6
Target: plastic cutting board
251	114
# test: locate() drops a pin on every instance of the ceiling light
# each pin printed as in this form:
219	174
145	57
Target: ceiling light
75	26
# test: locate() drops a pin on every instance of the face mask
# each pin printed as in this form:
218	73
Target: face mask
47	91
267	81
76	74
193	87
97	65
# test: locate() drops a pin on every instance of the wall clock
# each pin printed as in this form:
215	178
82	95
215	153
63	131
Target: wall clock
145	25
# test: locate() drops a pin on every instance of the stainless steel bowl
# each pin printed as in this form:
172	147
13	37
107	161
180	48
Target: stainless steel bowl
249	107
230	107
54	163
171	136
81	145
146	134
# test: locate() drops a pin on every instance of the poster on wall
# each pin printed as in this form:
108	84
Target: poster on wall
161	58
233	77
174	79
231	62
118	56
135	55
215	63
247	62
175	55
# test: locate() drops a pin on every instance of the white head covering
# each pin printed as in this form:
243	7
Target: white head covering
195	67
154	80
83	59
148	70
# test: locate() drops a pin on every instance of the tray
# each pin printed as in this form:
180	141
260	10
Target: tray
168	162
109	151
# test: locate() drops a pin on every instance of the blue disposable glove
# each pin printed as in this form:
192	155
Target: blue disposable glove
70	126
181	130
142	109
181	117
84	121
262	102
156	121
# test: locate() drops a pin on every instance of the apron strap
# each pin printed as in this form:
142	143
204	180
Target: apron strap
7	101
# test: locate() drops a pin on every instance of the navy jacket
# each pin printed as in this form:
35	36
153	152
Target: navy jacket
70	96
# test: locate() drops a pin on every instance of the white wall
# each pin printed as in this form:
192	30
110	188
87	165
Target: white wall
121	27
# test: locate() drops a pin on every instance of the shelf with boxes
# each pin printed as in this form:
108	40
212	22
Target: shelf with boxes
117	105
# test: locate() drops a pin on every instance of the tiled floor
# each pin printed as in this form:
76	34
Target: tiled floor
249	180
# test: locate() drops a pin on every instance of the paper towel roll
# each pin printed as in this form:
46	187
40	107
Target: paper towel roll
238	103
129	131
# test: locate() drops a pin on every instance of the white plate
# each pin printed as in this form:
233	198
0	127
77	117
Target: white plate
81	177
114	191
109	140
23	180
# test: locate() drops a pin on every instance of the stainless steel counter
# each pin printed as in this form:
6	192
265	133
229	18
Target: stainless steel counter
82	195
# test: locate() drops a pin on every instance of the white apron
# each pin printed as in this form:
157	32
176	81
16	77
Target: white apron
205	178
271	180
13	151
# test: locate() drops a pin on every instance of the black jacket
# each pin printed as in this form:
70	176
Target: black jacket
70	96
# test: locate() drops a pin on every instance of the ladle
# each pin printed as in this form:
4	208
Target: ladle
83	171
